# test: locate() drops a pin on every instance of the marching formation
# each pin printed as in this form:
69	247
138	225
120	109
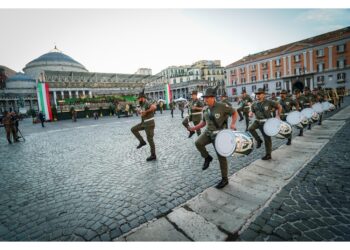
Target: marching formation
275	116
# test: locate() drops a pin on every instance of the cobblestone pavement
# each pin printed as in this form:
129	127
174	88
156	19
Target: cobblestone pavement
315	205
86	180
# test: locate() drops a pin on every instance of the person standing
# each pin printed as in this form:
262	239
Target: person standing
214	116
287	105
9	126
161	107
172	107
195	107
146	112
182	108
262	109
42	118
310	100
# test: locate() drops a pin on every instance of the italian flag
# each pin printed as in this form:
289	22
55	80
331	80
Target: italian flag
44	100
168	96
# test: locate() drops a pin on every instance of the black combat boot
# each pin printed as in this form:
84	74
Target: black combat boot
10	142
207	162
289	142
143	143
191	133
309	127
319	123
222	183
301	133
152	158
266	157
259	142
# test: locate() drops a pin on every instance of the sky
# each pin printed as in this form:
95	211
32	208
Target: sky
121	40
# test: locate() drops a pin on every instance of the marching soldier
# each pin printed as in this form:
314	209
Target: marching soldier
262	109
246	102
273	98
214	116
310	101
224	100
302	102
320	97
287	105
147	123
195	107
9	125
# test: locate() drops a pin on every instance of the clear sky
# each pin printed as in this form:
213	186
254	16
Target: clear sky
123	40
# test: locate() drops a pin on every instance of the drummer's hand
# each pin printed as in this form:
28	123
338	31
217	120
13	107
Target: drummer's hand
250	114
189	128
233	126
278	117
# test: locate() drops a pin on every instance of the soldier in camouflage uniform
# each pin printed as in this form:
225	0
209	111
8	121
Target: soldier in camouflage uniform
262	109
181	105
287	104
195	107
310	101
319	97
147	124
172	106
224	100
214	116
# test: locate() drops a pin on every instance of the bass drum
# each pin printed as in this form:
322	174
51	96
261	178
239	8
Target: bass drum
294	118
278	128
317	107
307	112
225	142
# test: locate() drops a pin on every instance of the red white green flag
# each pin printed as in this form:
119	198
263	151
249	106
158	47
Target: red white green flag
44	100
168	95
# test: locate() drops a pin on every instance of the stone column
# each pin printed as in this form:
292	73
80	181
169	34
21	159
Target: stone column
62	94
271	71
305	64
55	98
284	66
289	65
77	93
311	61
70	94
330	58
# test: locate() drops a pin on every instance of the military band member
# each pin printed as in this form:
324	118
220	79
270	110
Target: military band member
214	116
246	102
301	100
273	98
224	100
287	105
262	109
147	123
310	101
319	96
195	107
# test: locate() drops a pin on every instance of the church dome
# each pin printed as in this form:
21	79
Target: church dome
20	84
55	60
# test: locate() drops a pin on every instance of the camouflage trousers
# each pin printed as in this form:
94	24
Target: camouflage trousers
149	134
267	139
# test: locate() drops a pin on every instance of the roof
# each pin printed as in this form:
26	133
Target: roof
296	46
20	77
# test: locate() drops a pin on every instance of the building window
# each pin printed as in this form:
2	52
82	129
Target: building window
266	86
341	48
253	78
297	71
174	81
278	62
341	77
320	67
320	79
243	89
264	65
297	58
278	74
265	76
253	88
341	64
234	91
278	85
253	68
320	53
233	72
242	70
242	80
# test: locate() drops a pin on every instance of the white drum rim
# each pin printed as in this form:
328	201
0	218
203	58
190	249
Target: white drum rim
272	126
230	137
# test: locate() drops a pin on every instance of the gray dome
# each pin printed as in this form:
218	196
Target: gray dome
20	84
55	60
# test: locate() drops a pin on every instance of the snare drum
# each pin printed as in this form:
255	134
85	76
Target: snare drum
307	112
317	107
225	142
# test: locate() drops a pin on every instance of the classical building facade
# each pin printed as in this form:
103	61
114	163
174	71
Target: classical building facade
322	60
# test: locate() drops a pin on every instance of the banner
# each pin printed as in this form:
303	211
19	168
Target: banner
44	100
168	95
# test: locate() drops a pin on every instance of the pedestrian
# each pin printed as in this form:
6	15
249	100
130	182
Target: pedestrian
214	116
147	123
262	109
9	125
172	107
182	108
42	118
195	107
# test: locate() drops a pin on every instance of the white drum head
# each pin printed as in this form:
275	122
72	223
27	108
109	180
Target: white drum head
272	126
307	112
225	142
294	118
317	107
326	106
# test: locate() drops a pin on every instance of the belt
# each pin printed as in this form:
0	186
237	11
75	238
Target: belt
150	119
197	113
261	120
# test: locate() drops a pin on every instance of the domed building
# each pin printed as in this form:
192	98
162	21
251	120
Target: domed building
55	60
